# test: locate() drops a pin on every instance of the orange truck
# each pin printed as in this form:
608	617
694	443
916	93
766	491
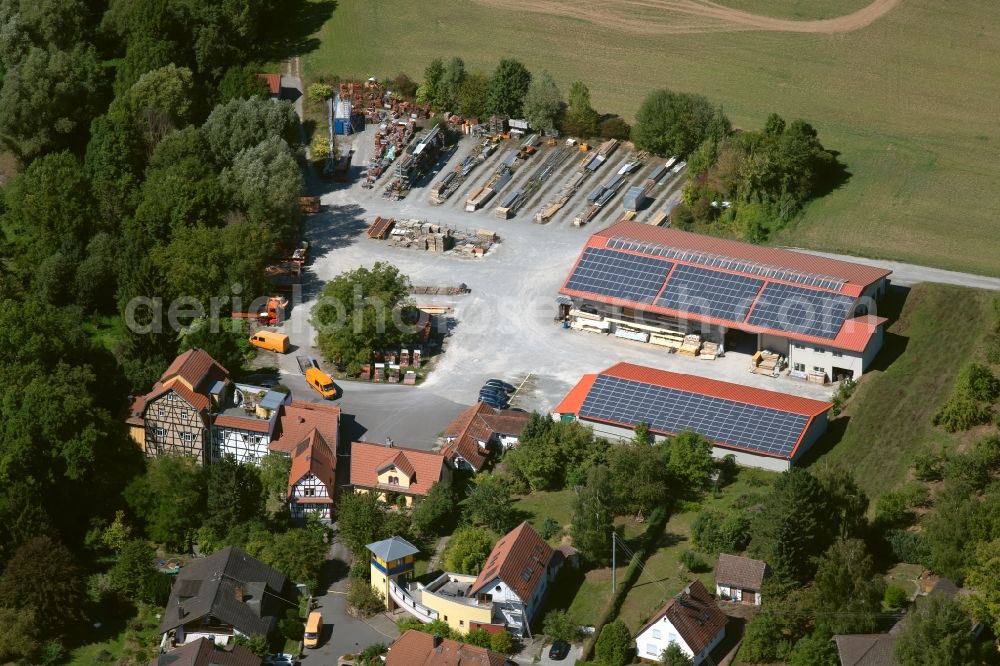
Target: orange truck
320	382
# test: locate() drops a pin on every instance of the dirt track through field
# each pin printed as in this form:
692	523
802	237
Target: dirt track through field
689	16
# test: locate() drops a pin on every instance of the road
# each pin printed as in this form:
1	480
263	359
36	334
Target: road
343	634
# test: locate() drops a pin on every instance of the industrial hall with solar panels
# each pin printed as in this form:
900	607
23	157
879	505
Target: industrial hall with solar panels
759	428
653	284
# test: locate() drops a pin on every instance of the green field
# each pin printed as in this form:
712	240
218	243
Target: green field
888	419
798	9
909	101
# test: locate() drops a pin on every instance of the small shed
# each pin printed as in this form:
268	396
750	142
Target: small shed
740	579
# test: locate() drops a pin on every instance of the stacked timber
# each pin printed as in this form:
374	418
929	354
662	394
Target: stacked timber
691	345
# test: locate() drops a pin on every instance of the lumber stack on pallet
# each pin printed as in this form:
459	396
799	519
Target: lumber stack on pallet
710	350
766	363
691	345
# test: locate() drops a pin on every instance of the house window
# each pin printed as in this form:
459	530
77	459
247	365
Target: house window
187	436
656	634
161	412
257	439
651	649
817	368
393	480
160	433
799	367
838	354
310	492
445	618
171	396
461	623
797	346
820	350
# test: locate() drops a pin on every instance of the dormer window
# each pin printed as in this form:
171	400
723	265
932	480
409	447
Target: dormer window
394	480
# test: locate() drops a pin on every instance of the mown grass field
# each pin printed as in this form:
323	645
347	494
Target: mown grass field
909	101
888	419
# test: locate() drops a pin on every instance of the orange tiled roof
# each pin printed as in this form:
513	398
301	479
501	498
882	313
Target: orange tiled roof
368	458
273	82
519	559
197	368
313	454
299	418
416	648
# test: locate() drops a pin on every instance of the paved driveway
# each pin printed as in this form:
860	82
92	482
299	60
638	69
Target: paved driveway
343	634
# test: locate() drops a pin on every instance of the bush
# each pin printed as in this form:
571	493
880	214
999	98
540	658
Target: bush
317	93
360	569
714	532
977	382
292	629
993	349
961	413
909	547
320	146
559	626
614	644
895	597
842	395
502	642
256	643
764	640
970	468
693	562
478	637
550	528
362	599
893	510
929	466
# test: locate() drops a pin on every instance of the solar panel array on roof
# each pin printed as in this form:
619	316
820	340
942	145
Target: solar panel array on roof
666	410
710	293
730	263
799	310
619	275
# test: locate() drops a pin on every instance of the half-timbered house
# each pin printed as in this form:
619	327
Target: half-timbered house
311	480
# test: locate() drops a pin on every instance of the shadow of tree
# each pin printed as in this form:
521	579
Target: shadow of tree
291	28
833	177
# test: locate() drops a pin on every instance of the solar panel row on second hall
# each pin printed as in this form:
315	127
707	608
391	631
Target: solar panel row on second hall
668	410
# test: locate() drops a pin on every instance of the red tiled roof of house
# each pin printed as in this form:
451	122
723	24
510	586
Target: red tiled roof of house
313	454
241	423
368	458
416	648
196	400
694	614
299	418
273	82
519	559
478	424
855	277
858	274
197	368
400	462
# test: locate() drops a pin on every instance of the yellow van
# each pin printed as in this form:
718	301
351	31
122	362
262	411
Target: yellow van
321	382
270	340
314	628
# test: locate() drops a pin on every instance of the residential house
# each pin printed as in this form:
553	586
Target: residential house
312	479
390	470
740	579
416	648
479	431
174	418
507	595
204	652
865	649
691	619
225	595
195	409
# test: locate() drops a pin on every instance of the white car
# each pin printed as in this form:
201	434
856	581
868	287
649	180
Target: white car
280	659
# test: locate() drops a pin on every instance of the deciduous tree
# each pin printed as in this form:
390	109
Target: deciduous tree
592	517
581	118
42	577
676	123
243	123
614	644
507	88
847	589
543	103
937	633
435	513
169	498
490	505
468	549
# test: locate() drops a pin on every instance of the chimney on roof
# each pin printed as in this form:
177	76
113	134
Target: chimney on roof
437	640
302	419
687	590
239	593
388	442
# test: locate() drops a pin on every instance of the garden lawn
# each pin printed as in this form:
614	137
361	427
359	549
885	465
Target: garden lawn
663	574
909	101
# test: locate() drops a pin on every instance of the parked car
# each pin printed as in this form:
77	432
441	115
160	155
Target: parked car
494	390
493	401
494	397
500	384
559	650
279	659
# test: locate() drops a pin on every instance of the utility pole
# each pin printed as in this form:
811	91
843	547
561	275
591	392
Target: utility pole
613	586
